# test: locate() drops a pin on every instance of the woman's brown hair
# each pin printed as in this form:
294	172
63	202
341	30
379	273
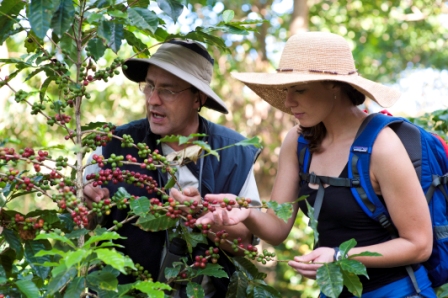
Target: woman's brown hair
315	134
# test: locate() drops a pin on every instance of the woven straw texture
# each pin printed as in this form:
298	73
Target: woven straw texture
314	56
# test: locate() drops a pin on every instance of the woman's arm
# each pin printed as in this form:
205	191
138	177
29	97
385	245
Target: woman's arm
267	225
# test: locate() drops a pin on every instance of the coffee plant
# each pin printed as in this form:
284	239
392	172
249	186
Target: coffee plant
53	252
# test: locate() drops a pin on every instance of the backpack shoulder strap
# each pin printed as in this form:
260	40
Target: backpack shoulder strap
359	165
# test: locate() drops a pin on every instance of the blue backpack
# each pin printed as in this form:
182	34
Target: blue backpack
429	155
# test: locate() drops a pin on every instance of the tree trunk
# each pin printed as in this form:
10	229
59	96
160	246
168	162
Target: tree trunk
299	18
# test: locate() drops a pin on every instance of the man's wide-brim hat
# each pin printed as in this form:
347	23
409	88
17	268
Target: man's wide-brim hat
310	57
186	60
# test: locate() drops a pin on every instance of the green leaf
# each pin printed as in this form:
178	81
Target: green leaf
116	37
40	13
58	237
102	280
9	10
353	266
138	46
237	286
260	289
63	17
206	147
96	48
140	206
171	272
228	15
151	223
14	242
171	7
50	216
76	287
103	237
93	125
115	259
329	279
214	270
352	283
60	280
153	289
195	290
28	288
76	233
44	87
69	47
255	141
171	182
313	221
75	257
283	211
246	266
143	19
346	246
31	249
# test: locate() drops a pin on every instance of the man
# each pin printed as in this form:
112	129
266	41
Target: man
176	83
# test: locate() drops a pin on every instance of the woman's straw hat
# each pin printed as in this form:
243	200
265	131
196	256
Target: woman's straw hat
314	56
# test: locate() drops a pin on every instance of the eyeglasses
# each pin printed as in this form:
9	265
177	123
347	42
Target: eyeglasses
164	94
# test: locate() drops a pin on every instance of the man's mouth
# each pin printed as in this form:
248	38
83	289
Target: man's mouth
157	115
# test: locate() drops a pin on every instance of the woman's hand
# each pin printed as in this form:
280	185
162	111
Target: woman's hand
307	265
222	216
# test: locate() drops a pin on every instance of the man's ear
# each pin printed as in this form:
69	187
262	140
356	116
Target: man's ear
202	98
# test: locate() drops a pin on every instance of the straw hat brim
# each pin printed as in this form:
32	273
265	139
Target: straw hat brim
137	69
269	86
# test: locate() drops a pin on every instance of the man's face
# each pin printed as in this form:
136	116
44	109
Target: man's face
170	114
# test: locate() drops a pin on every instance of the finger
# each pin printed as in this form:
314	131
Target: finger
191	192
219	197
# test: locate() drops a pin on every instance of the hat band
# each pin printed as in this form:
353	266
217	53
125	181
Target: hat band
316	71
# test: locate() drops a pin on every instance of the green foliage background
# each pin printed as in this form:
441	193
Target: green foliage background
387	37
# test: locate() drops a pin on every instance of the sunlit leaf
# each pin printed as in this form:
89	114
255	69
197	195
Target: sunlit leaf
143	19
152	289
58	237
103	237
255	141
283	211
353	266
138	46
75	257
228	15
115	259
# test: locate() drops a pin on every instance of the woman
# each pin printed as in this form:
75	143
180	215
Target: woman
317	82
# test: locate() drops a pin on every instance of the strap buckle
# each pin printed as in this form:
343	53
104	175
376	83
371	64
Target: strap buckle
355	182
313	178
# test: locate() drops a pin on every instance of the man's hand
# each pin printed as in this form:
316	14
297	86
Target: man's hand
94	194
188	194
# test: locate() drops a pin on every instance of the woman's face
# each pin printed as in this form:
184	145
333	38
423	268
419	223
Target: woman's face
311	102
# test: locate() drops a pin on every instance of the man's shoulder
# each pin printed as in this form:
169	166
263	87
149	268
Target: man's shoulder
220	131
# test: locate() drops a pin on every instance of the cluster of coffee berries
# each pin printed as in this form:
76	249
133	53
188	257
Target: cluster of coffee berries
141	273
36	108
205	229
79	215
102	206
265	257
220	237
29	223
94	140
172	210
243	202
200	262
127	141
213	254
62	118
190	221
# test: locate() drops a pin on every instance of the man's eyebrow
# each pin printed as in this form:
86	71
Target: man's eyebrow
164	85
